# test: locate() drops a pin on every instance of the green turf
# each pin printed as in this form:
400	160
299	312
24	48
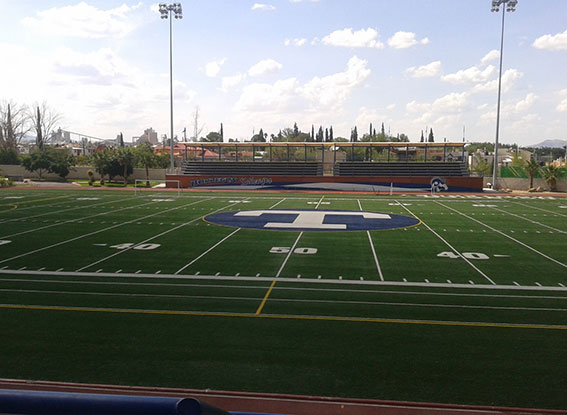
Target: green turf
435	330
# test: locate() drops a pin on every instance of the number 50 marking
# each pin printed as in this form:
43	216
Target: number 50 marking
286	249
467	255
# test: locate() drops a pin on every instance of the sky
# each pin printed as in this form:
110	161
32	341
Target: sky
410	64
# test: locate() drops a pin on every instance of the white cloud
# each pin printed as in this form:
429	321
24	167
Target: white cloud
562	106
118	93
470	75
425	71
263	7
85	21
213	68
265	67
295	42
490	56
552	42
509	79
364	38
320	94
231	81
526	103
404	40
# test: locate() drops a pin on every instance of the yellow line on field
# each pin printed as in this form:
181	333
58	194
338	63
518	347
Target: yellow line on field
33	201
283	317
263	303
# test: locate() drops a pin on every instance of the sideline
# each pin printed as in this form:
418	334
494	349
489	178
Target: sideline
283	317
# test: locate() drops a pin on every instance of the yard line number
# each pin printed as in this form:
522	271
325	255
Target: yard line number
286	249
467	255
141	247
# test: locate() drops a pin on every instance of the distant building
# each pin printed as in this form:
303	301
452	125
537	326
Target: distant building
149	136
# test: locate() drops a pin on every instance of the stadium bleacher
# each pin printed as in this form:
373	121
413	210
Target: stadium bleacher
245	168
349	168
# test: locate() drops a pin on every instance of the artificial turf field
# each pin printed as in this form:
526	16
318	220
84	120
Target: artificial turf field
468	307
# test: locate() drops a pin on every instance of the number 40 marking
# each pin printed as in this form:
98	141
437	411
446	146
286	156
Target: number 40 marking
467	255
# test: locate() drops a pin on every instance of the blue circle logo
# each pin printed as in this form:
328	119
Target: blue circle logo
311	220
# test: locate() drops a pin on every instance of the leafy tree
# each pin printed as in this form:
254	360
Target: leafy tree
354	134
37	160
213	136
102	162
403	138
480	166
62	162
319	134
146	158
124	157
430	139
9	155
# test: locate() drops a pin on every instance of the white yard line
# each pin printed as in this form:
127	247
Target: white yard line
538	208
75	220
507	236
217	244
450	246
155	236
288	255
559	287
15	202
206	252
529	220
96	232
61	211
373	249
289	300
250	287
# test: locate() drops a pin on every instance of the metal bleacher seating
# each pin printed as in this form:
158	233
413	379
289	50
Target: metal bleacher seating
400	169
244	168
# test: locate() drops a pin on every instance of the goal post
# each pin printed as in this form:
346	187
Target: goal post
161	187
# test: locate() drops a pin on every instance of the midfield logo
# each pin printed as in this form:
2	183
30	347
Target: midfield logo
311	220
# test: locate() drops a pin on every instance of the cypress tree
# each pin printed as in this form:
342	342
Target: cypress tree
431	140
331	133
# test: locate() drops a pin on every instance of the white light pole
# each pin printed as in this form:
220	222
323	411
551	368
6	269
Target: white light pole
507	6
166	10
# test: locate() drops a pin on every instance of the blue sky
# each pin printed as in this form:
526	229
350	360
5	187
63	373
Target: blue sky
410	64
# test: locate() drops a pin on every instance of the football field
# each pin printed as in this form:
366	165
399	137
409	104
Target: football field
455	299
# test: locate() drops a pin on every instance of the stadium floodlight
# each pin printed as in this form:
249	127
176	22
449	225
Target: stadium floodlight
165	11
507	6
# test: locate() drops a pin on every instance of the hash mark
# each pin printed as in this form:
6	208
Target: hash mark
538	284
471	282
449	281
60	269
98	270
198	272
158	271
515	283
118	272
237	274
258	274
137	272
217	274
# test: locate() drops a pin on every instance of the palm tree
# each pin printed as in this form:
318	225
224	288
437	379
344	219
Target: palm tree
532	168
550	173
